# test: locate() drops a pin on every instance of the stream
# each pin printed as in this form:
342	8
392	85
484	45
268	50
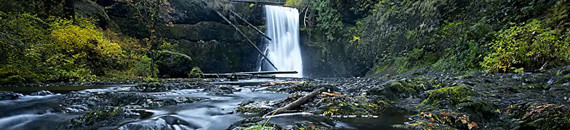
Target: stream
214	112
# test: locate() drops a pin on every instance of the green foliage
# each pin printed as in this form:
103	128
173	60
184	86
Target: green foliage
328	18
195	73
55	49
452	32
82	46
531	46
142	67
294	3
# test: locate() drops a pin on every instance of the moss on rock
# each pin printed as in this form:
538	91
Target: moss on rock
449	95
173	64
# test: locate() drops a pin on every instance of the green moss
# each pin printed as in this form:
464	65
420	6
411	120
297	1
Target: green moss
352	106
455	95
398	87
173	64
258	127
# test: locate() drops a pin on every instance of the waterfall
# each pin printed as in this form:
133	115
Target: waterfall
284	50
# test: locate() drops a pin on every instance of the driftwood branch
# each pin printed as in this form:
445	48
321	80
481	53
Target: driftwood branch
251	25
259	2
297	103
250	42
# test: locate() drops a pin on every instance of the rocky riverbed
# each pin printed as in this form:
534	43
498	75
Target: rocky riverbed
419	99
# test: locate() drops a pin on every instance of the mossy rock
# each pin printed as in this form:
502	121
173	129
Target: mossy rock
398	87
257	108
450	95
340	105
172	64
97	118
543	116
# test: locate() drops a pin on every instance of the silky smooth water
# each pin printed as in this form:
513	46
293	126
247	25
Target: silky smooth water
284	49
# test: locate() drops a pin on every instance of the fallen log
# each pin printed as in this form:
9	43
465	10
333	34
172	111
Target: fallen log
297	103
248	40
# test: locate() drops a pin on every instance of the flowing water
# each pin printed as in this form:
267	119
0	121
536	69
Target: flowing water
215	112
284	49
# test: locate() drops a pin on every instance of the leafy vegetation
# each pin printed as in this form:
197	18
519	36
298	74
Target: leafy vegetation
328	18
46	41
531	46
56	49
394	36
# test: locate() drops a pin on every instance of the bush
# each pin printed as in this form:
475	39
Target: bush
55	49
531	46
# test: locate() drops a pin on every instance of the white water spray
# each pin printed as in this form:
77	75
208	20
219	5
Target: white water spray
284	50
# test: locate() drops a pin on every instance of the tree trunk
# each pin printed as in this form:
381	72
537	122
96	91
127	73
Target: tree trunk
297	103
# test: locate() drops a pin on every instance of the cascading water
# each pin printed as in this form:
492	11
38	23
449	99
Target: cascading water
284	50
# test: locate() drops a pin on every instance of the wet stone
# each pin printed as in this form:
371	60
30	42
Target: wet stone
6	95
220	89
41	93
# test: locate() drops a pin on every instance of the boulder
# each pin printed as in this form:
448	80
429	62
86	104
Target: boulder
90	9
172	64
41	93
6	95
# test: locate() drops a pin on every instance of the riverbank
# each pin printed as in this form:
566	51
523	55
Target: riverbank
419	99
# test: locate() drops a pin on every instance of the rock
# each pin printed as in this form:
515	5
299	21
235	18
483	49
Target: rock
543	115
255	108
41	93
90	9
151	87
162	123
449	95
193	11
97	118
219	90
7	95
173	64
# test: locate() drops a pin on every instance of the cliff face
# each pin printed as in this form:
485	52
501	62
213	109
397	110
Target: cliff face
192	26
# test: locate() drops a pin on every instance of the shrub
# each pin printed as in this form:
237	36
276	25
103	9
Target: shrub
531	46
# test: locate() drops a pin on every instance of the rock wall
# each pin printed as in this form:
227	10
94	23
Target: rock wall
196	30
